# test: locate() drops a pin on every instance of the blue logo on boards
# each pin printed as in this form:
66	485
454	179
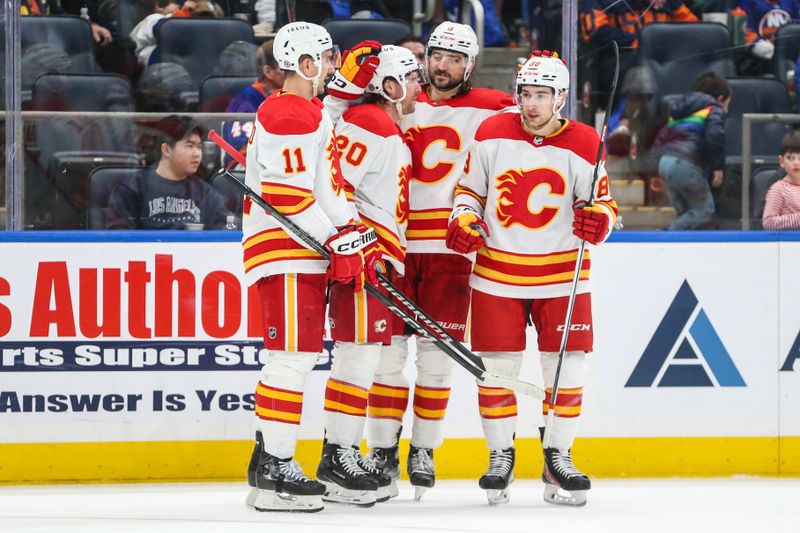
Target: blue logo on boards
685	351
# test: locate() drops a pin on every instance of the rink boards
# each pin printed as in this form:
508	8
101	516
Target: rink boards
134	356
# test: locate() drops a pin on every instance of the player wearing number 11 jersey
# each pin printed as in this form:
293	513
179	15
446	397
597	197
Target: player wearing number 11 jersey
522	207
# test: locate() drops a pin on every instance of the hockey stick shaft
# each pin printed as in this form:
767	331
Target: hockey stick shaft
551	411
411	314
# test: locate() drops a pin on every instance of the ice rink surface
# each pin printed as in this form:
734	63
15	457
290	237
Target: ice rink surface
727	505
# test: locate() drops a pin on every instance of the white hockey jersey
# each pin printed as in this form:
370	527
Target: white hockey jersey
293	160
439	135
525	188
376	163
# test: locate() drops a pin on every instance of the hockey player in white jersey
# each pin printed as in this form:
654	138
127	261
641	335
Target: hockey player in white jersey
522	207
293	161
438	134
376	165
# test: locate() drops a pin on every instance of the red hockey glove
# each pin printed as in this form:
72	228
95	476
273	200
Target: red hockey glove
373	257
467	233
591	224
346	261
358	66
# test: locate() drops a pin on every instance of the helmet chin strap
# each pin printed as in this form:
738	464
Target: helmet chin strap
398	102
315	80
557	107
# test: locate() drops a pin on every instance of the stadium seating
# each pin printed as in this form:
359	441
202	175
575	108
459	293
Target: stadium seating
197	43
787	48
756	95
676	53
102	182
82	92
349	32
760	183
216	92
750	95
64	150
71	34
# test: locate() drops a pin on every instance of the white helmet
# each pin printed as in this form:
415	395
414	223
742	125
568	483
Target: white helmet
456	38
396	62
544	68
297	39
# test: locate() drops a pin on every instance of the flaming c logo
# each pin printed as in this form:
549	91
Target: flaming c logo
420	139
515	190
402	199
337	178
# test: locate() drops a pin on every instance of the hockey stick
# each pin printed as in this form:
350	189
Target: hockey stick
431	324
414	316
551	412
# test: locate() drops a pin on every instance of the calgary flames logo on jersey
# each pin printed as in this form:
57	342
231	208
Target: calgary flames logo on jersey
516	189
402	198
337	178
421	139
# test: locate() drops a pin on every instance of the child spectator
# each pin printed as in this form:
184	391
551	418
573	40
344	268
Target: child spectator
693	143
782	207
169	196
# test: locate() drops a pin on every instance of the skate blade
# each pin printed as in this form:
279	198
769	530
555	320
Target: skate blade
497	496
394	492
419	492
252	496
360	498
271	501
557	496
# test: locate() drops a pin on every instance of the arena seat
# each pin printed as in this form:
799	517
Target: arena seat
216	92
71	34
787	48
760	183
81	92
102	182
756	95
677	52
197	43
349	32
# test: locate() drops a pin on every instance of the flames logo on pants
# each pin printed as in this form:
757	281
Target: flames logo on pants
420	139
515	190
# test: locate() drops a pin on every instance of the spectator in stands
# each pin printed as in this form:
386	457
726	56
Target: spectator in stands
604	21
416	45
143	34
782	206
691	144
764	19
169	196
247	101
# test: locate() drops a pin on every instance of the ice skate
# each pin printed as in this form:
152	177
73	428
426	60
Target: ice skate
280	484
498	476
383	480
387	460
345	481
421	471
563	483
